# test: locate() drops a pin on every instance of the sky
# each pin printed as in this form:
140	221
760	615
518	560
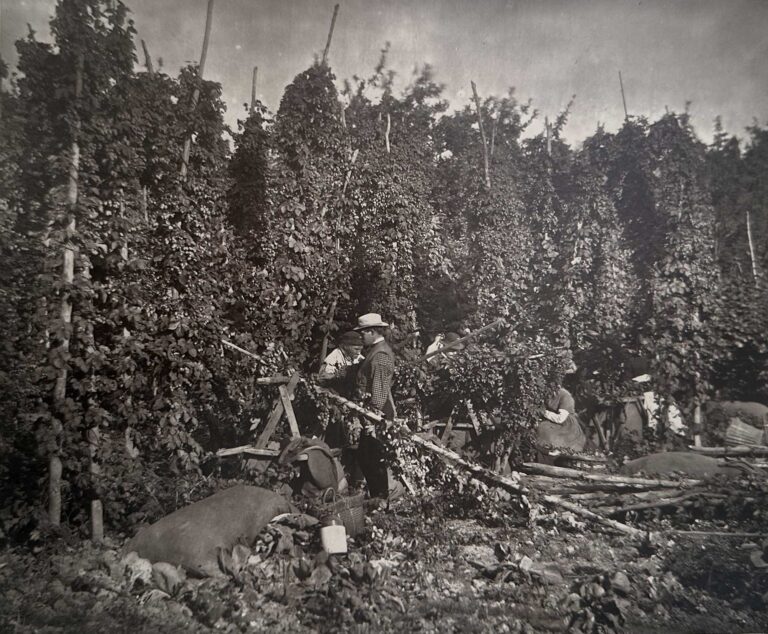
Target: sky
713	53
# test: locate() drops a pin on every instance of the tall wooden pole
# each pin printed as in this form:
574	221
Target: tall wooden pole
548	130
329	323
751	247
623	98
150	71
330	34
493	128
253	87
67	279
482	136
147	58
196	93
386	132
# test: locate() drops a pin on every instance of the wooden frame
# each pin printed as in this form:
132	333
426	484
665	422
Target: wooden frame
286	387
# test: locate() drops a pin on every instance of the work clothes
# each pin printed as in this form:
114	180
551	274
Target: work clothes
337	363
374	389
567	434
374	379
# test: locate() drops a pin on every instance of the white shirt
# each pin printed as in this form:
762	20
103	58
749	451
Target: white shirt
335	362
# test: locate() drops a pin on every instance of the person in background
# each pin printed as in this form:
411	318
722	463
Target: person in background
440	342
560	427
374	391
337	370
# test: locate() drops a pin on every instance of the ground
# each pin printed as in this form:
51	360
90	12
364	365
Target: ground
418	566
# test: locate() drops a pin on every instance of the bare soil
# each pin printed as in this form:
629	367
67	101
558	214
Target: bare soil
416	568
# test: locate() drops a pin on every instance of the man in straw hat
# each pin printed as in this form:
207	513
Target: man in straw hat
374	389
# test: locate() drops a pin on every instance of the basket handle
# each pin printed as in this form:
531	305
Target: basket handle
324	497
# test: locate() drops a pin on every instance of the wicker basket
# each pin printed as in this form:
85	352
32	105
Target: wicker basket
739	433
347	511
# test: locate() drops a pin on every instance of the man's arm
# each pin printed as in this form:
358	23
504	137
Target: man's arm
330	368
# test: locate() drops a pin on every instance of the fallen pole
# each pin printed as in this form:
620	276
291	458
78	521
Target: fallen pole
556	500
503	481
575	474
249	449
453	344
508	483
675	501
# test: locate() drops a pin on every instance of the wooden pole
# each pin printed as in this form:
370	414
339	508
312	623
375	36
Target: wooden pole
493	129
623	98
67	278
330	34
147	58
196	92
482	135
144	197
347	177
471	335
206	37
328	324
253	87
576	474
548	130
97	509
697	425
751	247
239	349
386	132
556	500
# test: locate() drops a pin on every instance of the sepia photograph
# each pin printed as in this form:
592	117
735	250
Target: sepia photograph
384	316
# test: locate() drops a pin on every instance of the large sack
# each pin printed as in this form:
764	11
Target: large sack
192	536
718	414
682	462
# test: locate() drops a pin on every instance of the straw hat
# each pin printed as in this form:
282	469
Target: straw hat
370	320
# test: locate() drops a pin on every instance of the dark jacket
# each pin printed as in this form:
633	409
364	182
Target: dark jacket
374	379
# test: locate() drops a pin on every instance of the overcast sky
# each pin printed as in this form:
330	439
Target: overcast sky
713	53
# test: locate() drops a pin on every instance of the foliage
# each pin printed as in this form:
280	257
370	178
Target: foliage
248	170
388	196
368	200
303	244
683	282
